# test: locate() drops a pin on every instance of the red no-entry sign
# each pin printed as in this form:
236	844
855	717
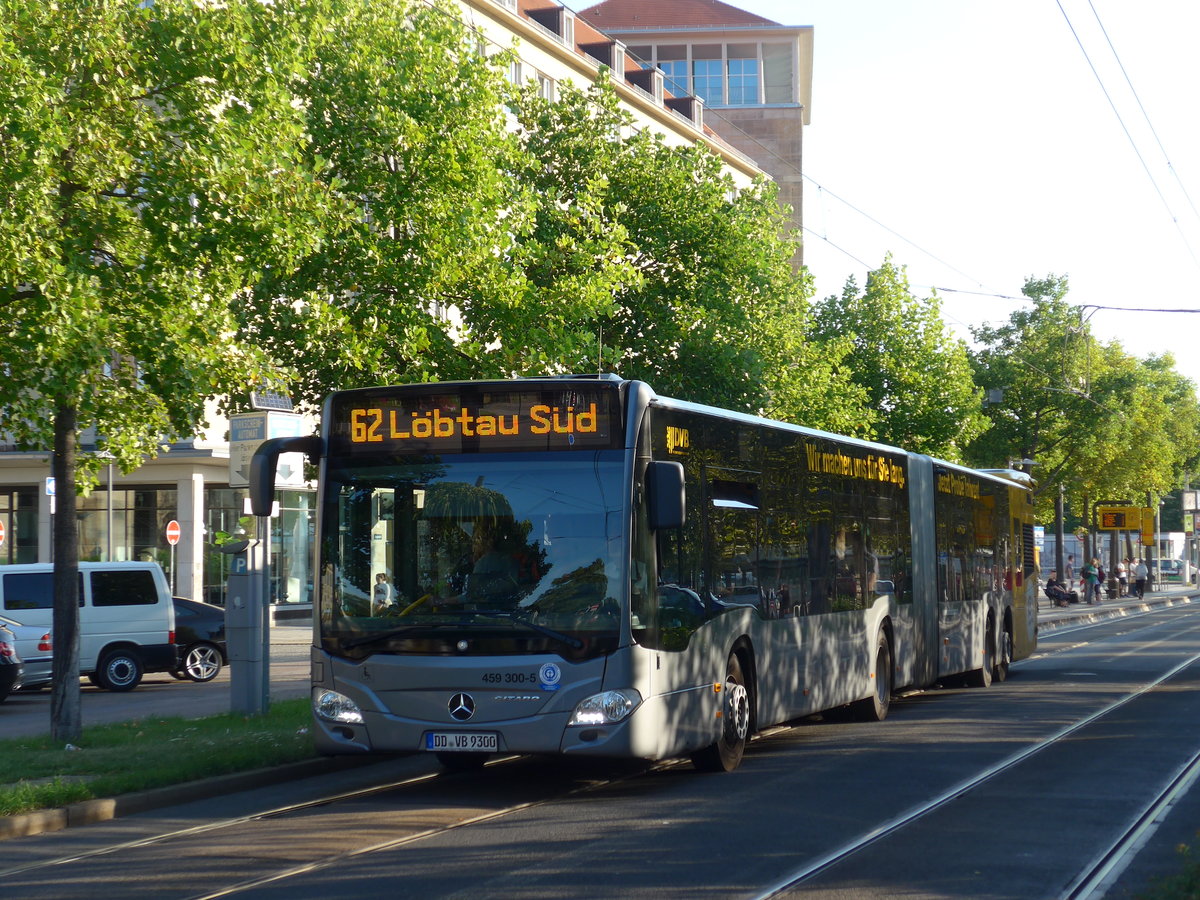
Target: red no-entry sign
172	532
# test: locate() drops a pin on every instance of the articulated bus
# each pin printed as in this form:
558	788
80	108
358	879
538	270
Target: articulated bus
579	566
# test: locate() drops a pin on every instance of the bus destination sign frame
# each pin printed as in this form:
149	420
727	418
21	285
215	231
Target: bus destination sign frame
475	419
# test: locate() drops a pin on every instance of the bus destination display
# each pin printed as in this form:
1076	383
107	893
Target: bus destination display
477	422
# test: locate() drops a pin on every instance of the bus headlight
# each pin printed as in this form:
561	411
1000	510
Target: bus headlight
606	708
336	707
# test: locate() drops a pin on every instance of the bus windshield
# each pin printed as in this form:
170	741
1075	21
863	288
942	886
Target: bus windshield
474	554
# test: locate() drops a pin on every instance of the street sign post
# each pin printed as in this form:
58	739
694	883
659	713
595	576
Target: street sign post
172	539
248	430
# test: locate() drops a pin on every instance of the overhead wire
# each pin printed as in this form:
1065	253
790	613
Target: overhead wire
794	168
1145	114
1133	143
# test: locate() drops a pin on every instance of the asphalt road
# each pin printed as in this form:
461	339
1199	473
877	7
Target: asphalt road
1012	791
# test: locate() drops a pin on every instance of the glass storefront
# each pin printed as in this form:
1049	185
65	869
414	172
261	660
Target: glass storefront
19	519
127	524
130	524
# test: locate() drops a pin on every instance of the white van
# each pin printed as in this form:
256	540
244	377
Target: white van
126	617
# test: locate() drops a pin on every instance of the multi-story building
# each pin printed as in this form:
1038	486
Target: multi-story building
199	483
753	75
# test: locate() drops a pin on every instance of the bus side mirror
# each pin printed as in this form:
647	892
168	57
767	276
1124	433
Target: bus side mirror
262	467
664	495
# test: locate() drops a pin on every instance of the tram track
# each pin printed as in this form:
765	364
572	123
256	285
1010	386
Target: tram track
1094	877
1091	882
211	832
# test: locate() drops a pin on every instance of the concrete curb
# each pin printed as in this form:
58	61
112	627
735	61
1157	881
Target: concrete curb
88	812
1110	609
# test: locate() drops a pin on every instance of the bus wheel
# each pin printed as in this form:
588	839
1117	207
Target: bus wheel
875	708
462	762
1004	657
726	753
982	677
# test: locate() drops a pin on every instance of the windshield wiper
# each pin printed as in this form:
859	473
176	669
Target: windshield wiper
388	635
567	639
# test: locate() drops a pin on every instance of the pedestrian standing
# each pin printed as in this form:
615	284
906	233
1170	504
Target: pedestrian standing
1140	572
1089	580
1123	578
1069	572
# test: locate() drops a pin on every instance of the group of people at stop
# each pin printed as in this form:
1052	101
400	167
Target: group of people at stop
1092	579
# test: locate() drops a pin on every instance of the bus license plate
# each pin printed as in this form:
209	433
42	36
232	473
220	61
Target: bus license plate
463	742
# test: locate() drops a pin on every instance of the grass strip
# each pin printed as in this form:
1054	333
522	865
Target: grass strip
132	756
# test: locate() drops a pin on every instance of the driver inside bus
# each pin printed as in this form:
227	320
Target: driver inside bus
494	573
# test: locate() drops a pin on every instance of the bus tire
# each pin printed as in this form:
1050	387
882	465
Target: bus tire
462	762
725	754
982	677
1004	656
875	708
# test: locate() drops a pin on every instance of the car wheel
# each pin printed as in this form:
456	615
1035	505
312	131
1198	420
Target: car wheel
202	662
120	670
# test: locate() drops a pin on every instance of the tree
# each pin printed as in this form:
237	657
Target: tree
1100	423
407	118
916	375
692	279
151	169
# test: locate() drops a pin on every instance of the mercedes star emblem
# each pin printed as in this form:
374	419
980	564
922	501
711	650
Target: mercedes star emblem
461	706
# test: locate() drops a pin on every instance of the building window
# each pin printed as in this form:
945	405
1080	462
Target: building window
743	82
138	517
545	87
514	72
675	76
706	81
19	517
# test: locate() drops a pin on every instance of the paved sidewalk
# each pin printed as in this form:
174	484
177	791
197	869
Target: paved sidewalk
1051	617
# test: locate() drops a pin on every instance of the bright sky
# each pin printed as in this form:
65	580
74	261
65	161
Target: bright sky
976	134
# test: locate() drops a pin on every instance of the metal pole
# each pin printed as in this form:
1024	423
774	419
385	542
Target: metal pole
1058	535
264	533
1158	545
109	543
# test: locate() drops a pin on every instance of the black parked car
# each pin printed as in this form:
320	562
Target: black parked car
200	637
10	664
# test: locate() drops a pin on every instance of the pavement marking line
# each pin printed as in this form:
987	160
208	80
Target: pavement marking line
911	815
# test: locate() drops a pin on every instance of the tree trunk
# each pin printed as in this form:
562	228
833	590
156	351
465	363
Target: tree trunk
66	717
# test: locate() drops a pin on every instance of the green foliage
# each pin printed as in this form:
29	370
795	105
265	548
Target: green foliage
1099	422
151	168
666	270
917	377
42	774
406	120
